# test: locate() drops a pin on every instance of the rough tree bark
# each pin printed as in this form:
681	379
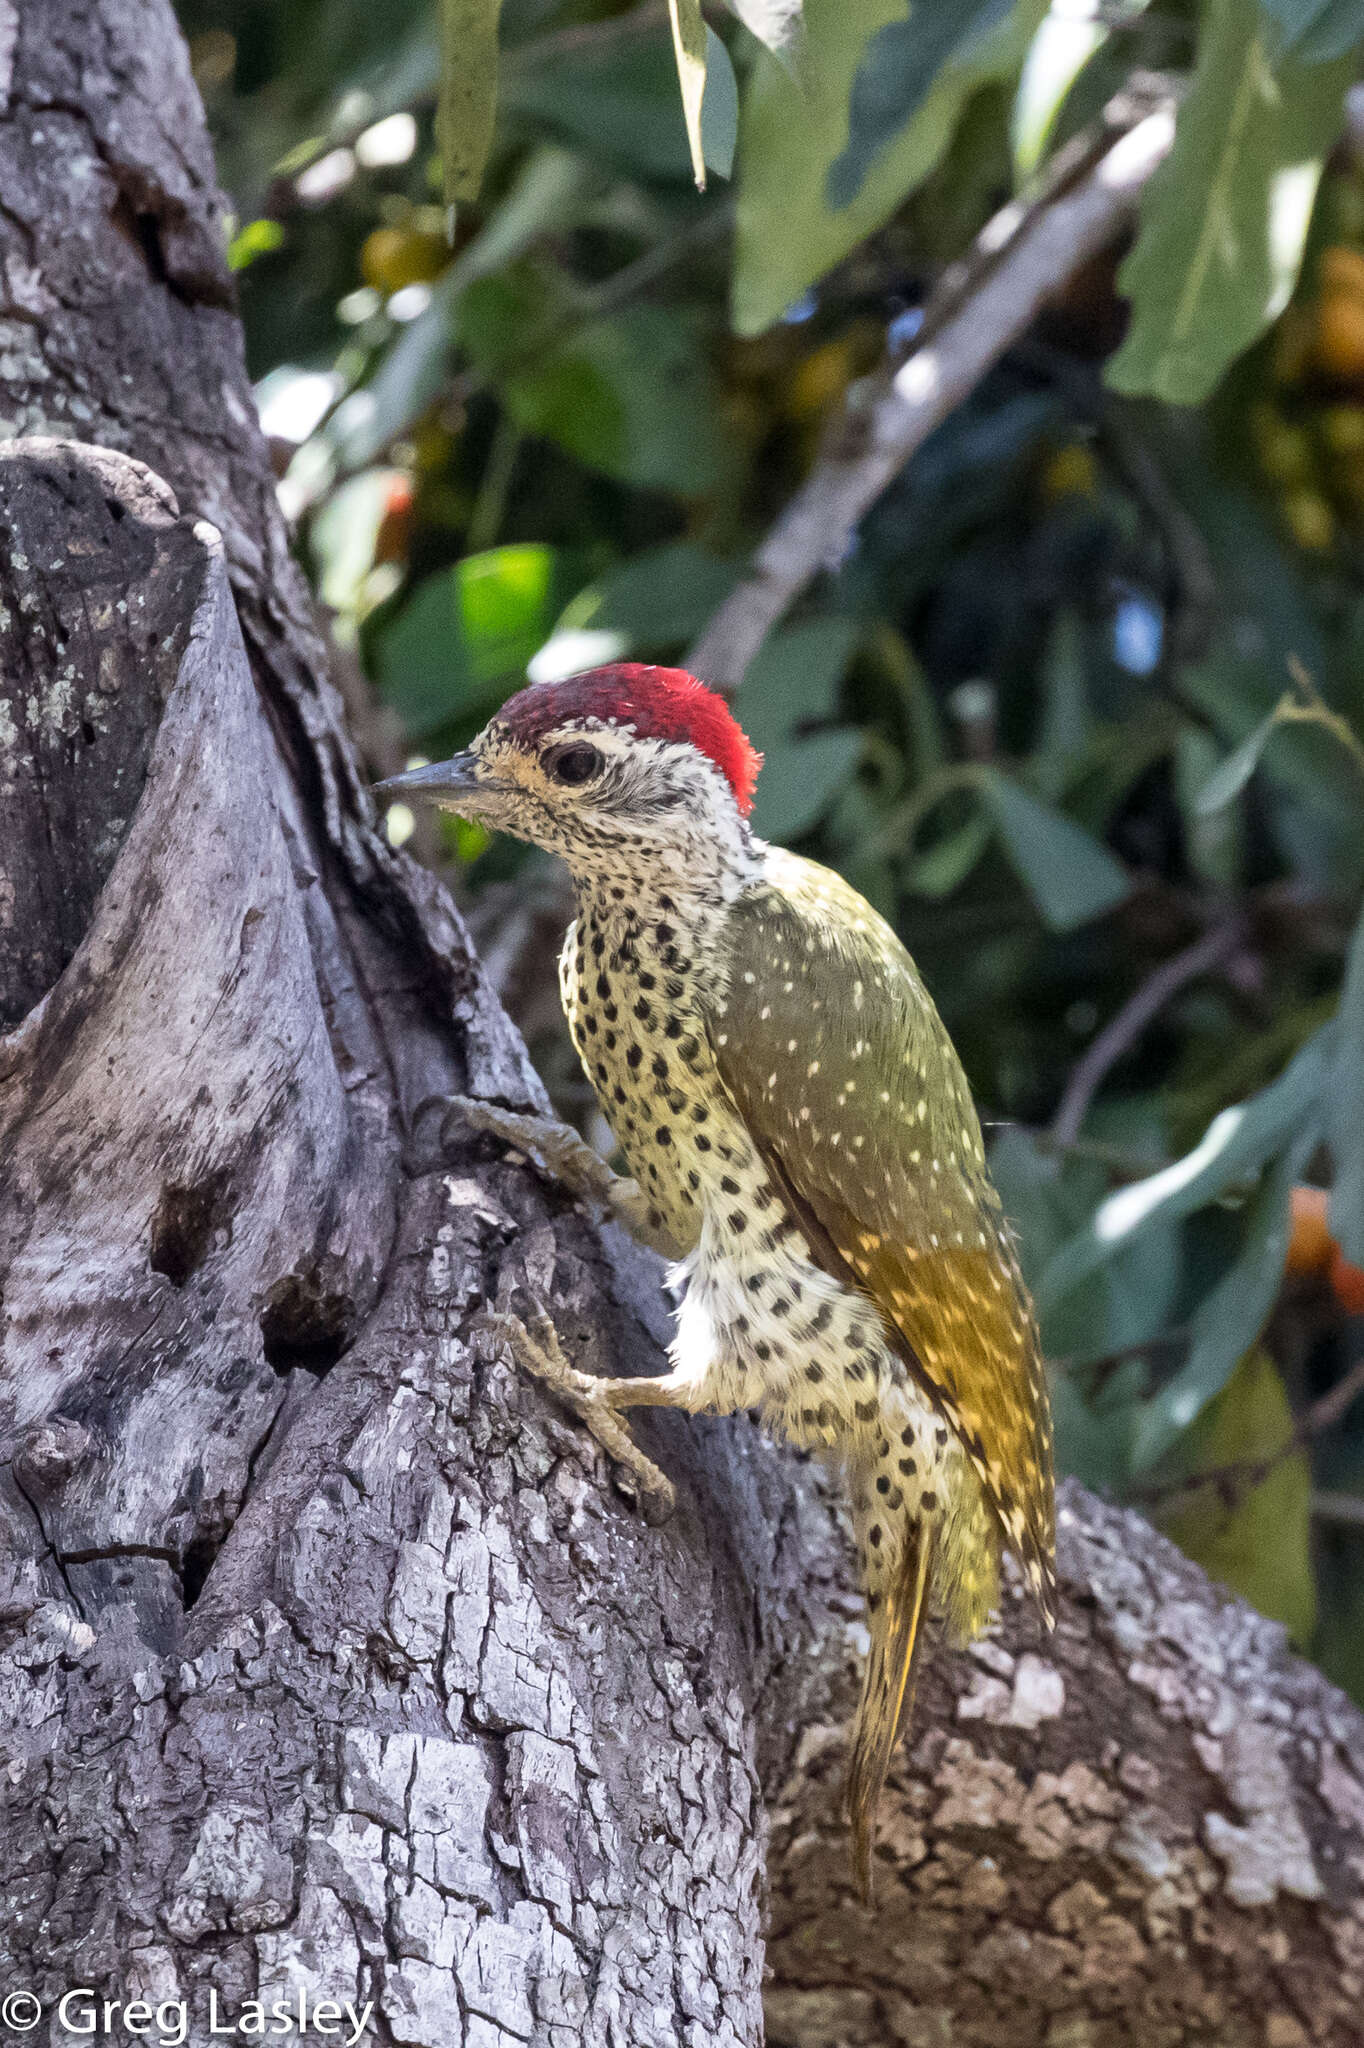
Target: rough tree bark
330	1654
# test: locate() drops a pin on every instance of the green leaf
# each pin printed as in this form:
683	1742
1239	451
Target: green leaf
1318	30
776	23
630	395
1231	1152
615	98
466	107
1261	1546
1070	876
786	233
1066	720
1228	1321
1057	55
1224	218
257	238
793	680
895	77
689	51
800	779
656	600
1344	1108
465	637
1213	841
944	866
1230	777
719	108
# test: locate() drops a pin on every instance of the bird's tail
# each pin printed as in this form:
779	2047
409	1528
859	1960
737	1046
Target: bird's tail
896	1590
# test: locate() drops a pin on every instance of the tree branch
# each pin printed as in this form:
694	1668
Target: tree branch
1127	1024
1020	260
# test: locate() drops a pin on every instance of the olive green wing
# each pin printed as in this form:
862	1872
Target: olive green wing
839	1064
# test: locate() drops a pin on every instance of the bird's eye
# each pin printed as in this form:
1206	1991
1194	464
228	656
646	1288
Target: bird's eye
574	765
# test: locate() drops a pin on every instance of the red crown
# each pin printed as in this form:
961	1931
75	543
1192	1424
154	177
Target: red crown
656	703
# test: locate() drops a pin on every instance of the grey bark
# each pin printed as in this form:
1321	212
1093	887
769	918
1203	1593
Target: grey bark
330	1653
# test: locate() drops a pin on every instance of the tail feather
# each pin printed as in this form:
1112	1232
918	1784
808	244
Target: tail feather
887	1692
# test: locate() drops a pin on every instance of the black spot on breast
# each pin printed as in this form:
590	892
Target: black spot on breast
634	1056
865	1411
928	1501
663	1136
737	1221
882	1483
814	1373
729	1186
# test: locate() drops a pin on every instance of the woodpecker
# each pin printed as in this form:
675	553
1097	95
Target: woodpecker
803	1145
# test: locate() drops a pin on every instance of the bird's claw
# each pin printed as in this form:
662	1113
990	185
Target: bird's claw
568	1158
536	1348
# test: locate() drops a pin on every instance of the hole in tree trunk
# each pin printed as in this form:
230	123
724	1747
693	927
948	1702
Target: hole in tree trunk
305	1323
183	1229
195	1567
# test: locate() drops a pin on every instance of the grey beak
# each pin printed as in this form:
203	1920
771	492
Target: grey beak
443	782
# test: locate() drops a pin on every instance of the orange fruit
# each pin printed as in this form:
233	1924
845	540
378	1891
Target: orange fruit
1311	1245
394	535
819	380
1347	1284
1341	269
1071	472
1340	333
1309	519
391	258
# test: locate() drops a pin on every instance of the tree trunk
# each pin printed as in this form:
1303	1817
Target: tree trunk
333	1662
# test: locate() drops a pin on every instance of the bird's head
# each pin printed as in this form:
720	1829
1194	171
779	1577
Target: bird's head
612	769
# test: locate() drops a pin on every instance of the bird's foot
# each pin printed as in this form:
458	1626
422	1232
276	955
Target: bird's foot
536	1347
568	1158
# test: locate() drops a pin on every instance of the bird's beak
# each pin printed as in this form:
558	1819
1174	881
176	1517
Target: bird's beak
454	784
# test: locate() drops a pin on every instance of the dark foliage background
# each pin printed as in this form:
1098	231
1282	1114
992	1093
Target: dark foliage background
1032	713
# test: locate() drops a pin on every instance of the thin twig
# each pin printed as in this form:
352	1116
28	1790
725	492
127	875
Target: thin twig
1019	262
1328	1505
1234	1481
1123	1029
